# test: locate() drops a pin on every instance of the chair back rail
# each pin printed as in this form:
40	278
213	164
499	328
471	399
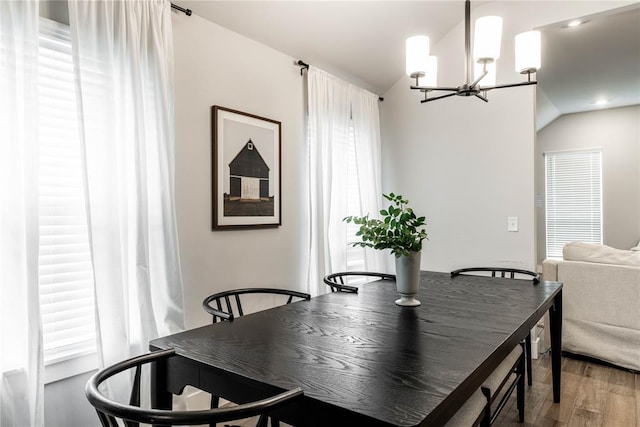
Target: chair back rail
512	273
109	410
213	304
337	281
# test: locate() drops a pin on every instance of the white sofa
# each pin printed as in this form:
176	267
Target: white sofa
601	302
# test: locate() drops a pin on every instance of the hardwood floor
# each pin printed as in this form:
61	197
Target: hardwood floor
592	395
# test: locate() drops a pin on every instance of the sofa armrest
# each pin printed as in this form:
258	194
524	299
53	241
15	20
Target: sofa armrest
550	269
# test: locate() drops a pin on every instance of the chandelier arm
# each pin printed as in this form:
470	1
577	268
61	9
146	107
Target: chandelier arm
482	97
438	97
510	85
431	88
475	83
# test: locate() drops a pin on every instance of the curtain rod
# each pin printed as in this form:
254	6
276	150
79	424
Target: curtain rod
181	9
305	66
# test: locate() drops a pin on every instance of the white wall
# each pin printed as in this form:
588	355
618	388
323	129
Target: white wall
617	132
214	66
468	165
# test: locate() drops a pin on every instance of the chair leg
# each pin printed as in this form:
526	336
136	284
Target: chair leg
486	418
520	390
262	421
527	348
215	401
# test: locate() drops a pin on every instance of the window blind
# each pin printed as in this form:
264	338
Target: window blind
573	198
65	268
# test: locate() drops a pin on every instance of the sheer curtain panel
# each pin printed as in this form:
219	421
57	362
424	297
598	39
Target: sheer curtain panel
337	108
21	379
366	126
123	53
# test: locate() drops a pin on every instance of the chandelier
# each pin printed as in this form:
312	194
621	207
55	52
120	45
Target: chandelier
486	50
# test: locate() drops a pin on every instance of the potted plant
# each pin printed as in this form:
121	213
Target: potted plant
402	231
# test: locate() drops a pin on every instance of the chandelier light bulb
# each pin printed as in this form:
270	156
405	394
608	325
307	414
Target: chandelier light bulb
528	57
487	38
417	53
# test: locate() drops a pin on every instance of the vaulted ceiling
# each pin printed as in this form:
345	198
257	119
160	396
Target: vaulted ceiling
364	40
597	60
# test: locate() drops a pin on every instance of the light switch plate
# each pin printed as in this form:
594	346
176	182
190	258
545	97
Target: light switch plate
513	223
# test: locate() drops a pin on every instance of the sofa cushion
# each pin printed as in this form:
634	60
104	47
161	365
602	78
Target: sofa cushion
588	252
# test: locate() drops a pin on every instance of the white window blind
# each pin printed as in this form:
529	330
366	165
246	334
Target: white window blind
65	269
573	198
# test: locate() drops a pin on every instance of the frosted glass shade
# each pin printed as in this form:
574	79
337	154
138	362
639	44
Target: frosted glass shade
487	38
431	76
417	51
528	56
490	78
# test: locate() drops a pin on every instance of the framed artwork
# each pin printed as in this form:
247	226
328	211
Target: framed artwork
246	170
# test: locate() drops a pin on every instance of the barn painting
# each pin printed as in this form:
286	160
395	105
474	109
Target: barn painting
246	170
249	175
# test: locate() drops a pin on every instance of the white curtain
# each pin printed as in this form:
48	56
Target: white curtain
366	124
21	386
124	63
334	107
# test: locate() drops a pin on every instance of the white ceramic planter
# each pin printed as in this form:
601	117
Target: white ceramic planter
408	279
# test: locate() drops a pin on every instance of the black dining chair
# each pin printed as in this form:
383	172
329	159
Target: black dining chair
510	273
227	305
110	411
344	281
232	301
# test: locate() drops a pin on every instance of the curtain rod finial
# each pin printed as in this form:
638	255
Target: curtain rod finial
303	64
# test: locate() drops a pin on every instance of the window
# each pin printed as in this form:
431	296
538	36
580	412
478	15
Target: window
574	198
65	268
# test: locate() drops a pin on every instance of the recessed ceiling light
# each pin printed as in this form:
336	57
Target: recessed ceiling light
601	102
574	23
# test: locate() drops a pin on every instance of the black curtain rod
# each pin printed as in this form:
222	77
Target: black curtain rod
305	66
181	9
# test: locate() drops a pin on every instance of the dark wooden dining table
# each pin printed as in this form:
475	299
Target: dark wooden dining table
359	358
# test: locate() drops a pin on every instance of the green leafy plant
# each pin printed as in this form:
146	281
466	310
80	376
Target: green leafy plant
399	229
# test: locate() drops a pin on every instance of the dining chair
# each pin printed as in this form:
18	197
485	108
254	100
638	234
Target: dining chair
510	273
227	305
343	281
132	414
213	304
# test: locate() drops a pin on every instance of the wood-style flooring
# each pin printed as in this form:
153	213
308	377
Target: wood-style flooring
592	394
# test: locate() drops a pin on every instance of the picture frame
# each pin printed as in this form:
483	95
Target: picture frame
246	172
